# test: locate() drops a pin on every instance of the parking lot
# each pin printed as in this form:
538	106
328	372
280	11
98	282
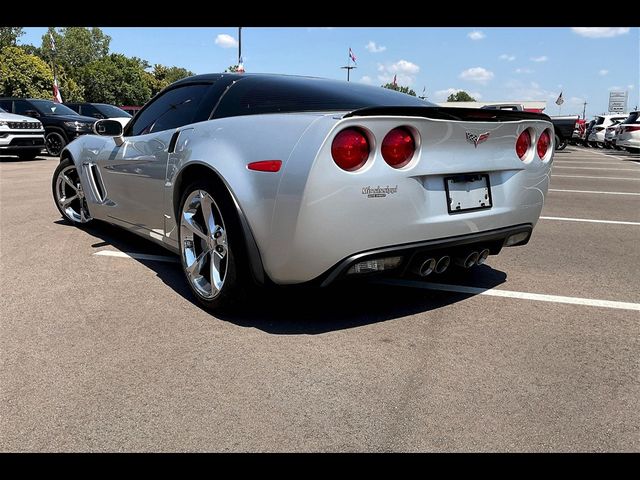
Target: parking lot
102	346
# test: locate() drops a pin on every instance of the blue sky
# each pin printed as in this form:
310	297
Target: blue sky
493	64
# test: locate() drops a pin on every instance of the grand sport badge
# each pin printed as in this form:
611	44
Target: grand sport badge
379	192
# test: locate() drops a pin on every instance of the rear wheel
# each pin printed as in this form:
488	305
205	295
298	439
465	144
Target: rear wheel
210	246
68	193
633	150
560	144
55	142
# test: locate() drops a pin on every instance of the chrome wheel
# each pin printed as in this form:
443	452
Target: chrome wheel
203	244
70	196
54	143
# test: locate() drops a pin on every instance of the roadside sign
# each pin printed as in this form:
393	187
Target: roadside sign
618	102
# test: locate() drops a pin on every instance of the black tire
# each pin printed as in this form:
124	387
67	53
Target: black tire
560	144
80	205
633	150
28	154
55	141
235	282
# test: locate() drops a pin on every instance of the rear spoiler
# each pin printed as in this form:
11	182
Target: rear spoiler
450	113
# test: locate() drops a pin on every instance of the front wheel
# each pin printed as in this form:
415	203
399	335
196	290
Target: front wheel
68	193
210	245
55	142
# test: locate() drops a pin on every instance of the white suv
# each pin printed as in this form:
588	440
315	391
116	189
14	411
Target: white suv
629	133
21	136
596	137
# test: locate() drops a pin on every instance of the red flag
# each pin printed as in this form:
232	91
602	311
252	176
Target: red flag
394	81
56	91
351	55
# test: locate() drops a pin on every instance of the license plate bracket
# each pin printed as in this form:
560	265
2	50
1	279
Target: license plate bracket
468	192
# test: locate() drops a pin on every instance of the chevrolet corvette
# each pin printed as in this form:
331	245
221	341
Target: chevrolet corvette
256	179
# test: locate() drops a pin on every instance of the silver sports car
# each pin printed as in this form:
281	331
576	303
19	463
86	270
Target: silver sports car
273	179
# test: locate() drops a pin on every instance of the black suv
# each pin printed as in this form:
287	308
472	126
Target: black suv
98	110
61	124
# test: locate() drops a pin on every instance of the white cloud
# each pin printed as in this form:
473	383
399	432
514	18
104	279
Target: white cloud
630	86
507	57
523	70
615	87
405	71
600	32
476	35
442	95
477	74
373	48
226	41
576	101
366	79
528	91
542	58
603	72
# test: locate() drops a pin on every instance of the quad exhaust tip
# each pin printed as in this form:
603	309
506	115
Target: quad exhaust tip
426	267
483	257
467	261
443	264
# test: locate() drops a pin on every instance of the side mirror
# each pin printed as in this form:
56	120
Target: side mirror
32	113
109	128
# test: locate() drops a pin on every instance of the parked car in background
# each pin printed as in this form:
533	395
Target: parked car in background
130	109
596	137
21	136
563	127
610	134
275	179
100	111
578	131
629	134
61	124
587	132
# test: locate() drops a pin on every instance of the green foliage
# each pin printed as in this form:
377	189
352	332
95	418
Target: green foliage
75	46
24	75
9	36
115	79
460	96
232	69
163	76
392	86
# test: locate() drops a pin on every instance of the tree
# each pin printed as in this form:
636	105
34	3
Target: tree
393	86
115	79
232	69
9	36
24	75
460	96
163	76
75	47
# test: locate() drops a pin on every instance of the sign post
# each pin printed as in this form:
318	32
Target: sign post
617	102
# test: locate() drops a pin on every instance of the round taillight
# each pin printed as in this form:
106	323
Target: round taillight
523	143
543	144
398	147
350	149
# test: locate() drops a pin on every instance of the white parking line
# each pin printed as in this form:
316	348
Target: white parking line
602	168
590	220
592	191
591	302
564	162
598	178
137	256
611	156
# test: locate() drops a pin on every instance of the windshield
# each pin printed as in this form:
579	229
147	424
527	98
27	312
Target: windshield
2	111
110	111
47	107
600	121
634	117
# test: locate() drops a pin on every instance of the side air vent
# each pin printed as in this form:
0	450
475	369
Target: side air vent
96	182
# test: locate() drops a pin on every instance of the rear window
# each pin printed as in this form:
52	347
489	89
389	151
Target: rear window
634	117
599	120
256	95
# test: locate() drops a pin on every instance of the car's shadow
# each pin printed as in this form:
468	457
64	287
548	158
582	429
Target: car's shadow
307	310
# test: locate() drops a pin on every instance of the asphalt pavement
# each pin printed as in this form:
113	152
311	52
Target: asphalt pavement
536	351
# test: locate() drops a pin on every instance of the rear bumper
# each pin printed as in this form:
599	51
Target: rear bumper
629	142
494	240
